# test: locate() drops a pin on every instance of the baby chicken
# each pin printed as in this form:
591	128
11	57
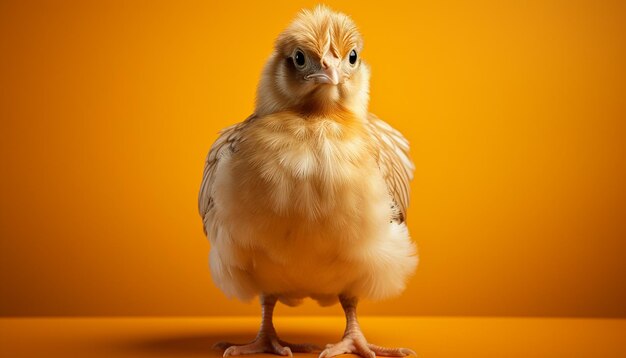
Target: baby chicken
308	196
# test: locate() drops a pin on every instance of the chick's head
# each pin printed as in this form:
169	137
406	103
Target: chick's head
316	67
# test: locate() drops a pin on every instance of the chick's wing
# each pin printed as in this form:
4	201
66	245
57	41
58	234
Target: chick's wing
226	142
394	162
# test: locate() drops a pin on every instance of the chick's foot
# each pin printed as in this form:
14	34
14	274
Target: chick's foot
256	346
355	343
266	344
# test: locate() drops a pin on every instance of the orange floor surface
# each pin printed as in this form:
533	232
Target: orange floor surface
430	337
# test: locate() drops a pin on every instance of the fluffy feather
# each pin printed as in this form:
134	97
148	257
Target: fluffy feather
308	196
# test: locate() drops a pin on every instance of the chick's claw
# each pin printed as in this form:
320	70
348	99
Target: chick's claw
356	344
348	345
269	345
221	346
300	347
391	352
265	345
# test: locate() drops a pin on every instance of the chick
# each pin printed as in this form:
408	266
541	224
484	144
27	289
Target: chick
308	196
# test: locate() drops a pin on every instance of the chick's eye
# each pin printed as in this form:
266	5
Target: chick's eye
298	58
352	57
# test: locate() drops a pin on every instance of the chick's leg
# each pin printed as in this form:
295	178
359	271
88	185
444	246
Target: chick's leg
353	340
267	340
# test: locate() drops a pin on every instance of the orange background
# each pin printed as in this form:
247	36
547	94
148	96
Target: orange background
515	110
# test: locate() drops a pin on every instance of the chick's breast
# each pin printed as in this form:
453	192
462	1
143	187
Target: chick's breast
301	209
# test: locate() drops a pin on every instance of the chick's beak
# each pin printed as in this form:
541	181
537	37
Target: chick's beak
329	72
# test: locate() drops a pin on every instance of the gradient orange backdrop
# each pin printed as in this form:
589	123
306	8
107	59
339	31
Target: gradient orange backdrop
515	110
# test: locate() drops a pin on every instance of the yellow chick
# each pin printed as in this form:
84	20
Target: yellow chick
308	196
